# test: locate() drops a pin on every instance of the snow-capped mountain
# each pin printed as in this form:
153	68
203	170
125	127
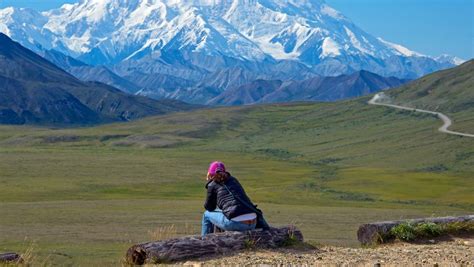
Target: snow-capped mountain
195	39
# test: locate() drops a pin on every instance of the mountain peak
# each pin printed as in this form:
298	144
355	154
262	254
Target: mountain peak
7	11
207	35
400	49
450	59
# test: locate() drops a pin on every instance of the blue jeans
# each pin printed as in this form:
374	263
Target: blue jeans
217	218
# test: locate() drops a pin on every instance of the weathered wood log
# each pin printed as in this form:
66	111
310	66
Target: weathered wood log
189	247
10	258
374	232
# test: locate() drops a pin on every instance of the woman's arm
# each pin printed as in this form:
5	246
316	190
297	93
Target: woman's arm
211	199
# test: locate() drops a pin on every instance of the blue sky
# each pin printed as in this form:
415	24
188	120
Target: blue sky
431	27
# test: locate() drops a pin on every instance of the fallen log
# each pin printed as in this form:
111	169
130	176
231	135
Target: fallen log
189	247
377	232
10	258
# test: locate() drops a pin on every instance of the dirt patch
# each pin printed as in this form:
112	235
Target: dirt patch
145	141
105	138
61	139
458	252
19	141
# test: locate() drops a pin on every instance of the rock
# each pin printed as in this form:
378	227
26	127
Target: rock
10	258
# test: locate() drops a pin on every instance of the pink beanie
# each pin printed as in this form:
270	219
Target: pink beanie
215	167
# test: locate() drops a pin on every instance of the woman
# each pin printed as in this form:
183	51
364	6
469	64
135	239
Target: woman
227	206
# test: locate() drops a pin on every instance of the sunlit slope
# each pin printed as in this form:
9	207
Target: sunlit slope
450	91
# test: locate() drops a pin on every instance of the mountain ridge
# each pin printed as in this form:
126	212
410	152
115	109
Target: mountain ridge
313	89
170	48
35	91
212	35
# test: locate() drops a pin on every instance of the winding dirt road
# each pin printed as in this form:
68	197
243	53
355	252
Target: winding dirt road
446	120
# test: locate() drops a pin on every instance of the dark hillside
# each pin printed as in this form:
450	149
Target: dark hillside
33	90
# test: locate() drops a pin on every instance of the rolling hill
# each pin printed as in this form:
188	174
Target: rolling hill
33	90
450	91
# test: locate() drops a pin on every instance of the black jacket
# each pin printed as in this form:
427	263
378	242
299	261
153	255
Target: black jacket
219	197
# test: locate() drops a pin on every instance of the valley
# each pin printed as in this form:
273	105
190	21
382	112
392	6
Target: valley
327	167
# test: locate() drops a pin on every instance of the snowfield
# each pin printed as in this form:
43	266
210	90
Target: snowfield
110	31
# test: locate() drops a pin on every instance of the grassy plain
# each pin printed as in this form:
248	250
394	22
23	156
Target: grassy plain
84	195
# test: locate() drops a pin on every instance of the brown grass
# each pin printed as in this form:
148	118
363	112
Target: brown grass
171	231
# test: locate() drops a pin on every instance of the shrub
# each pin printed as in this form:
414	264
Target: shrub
410	232
250	244
459	228
428	230
405	231
291	241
